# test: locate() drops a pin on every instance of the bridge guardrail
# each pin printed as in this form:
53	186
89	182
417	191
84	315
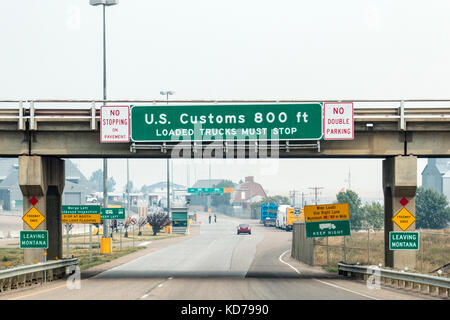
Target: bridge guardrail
60	111
403	278
22	276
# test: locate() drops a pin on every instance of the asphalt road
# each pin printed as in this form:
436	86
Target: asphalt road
216	264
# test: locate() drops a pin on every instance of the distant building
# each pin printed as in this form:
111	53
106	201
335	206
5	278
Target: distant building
76	186
160	190
436	175
248	192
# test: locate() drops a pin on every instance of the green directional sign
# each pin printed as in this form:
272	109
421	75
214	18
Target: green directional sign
80	209
205	190
33	240
335	228
112	213
403	240
238	122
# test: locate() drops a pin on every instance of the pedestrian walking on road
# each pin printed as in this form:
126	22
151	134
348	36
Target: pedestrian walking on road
210	218
215	218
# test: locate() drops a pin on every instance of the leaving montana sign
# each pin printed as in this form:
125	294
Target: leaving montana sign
33	240
403	240
231	122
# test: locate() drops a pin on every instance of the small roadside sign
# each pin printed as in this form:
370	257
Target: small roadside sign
114	124
33	218
338	121
327	212
112	213
404	219
403	240
33	240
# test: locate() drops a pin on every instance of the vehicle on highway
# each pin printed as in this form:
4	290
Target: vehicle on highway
287	215
282	217
244	228
269	214
293	215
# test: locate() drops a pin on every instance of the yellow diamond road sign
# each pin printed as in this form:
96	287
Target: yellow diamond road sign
33	218
404	219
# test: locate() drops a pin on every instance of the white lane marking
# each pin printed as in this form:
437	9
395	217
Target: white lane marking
327	283
336	286
144	243
159	286
144	296
170	278
281	260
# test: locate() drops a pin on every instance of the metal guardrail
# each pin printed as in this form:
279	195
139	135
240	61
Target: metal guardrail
406	277
21	276
393	111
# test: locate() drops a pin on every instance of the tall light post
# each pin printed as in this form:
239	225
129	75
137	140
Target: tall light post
104	3
167	93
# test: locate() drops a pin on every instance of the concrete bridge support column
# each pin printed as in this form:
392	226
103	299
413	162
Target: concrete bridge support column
399	181
43	178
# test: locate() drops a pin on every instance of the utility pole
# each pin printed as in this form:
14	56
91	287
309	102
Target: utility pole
173	190
292	195
209	185
316	192
349	179
303	199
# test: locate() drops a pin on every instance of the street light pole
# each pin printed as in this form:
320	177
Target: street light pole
104	3
167	93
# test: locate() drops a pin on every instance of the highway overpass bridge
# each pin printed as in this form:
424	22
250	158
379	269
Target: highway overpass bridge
41	132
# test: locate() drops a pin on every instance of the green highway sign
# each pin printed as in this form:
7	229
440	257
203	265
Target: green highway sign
335	228
112	213
205	190
80	209
33	239
403	240
238	122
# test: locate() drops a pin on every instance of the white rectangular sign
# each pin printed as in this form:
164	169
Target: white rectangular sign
338	121
115	124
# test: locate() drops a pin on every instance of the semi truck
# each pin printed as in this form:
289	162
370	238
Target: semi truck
269	214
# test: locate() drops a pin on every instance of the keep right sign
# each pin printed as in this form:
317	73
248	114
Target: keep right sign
338	121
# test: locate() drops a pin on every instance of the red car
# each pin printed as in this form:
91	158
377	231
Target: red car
244	228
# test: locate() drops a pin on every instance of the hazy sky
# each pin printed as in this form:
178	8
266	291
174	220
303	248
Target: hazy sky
252	49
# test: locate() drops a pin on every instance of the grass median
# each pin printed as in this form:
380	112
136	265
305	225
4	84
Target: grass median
79	248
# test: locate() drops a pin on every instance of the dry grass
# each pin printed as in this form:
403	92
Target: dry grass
433	253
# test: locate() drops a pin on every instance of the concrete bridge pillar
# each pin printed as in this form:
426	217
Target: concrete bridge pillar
43	178
399	181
